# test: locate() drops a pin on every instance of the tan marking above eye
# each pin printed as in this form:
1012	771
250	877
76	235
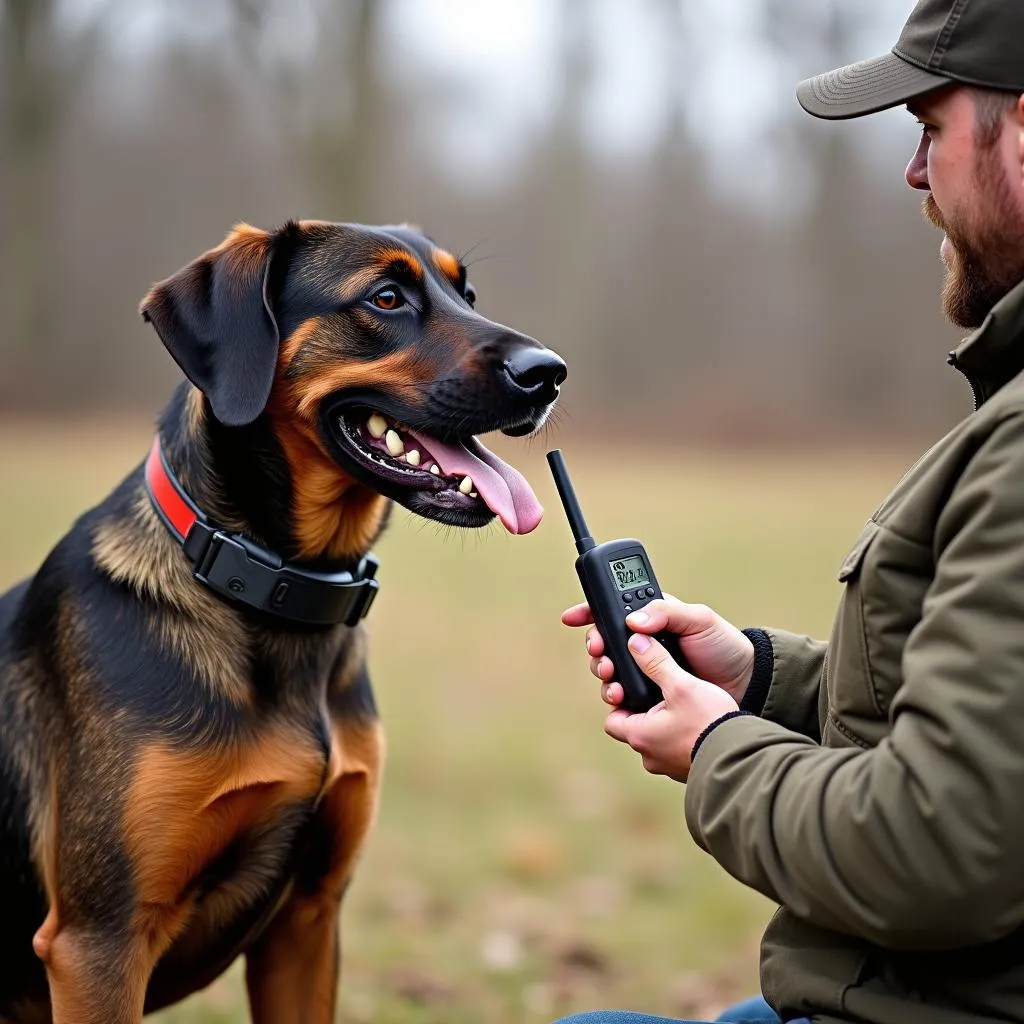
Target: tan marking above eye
386	258
448	265
359	280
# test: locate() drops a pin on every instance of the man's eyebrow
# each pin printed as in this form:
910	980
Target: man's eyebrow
917	109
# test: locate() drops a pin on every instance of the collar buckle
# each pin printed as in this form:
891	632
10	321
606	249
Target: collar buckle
246	573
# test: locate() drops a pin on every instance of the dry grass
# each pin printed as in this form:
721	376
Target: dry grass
524	865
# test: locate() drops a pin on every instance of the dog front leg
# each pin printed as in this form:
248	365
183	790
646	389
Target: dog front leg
99	975
93	980
292	970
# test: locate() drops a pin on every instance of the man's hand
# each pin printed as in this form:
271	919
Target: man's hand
665	735
715	649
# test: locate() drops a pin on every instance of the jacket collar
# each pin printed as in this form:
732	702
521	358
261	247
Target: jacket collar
994	354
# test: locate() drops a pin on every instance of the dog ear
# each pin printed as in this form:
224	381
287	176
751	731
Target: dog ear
215	318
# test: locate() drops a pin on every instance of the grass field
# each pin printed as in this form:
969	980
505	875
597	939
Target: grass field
524	865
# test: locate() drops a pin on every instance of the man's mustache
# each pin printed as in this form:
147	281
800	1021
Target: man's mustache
933	213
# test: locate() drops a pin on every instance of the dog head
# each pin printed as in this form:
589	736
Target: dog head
362	349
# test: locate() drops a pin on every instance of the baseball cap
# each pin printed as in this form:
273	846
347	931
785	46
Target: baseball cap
975	42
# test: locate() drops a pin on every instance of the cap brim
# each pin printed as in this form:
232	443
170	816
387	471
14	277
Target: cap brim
866	87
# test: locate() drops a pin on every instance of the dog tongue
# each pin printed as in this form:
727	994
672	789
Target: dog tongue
503	488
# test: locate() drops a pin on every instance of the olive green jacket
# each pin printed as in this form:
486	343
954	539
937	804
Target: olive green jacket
877	792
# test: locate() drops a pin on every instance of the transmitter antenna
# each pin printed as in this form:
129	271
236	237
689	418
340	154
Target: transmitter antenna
573	512
617	579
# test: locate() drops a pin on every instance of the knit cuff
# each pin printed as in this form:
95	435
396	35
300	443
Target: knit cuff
714	725
761	677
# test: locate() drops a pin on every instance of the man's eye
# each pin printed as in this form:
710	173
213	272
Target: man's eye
388	298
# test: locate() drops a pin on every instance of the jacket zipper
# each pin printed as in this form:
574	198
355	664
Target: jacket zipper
977	392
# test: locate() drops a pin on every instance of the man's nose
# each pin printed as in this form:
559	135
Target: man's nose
917	169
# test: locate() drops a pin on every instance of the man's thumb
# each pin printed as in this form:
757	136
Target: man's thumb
655	662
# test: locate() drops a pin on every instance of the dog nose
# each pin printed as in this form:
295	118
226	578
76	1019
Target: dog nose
537	372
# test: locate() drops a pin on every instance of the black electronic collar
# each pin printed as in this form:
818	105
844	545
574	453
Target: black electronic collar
240	570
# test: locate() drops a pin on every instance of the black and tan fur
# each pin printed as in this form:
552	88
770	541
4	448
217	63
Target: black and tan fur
183	780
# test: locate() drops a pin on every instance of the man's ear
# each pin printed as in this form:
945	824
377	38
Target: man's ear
215	318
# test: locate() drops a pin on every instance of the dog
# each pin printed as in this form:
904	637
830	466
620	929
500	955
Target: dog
190	754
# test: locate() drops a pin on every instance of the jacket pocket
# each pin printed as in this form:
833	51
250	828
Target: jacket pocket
885	577
855	559
853	706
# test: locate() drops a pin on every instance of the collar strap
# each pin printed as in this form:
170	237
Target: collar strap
245	573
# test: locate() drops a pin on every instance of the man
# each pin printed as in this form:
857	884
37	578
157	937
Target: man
873	785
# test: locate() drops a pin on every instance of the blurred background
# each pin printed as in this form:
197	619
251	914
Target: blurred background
633	183
748	303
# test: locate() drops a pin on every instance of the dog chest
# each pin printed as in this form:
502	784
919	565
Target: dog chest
225	837
187	806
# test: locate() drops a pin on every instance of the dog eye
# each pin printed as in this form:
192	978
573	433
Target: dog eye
470	294
388	298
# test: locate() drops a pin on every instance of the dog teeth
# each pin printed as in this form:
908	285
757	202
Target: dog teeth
379	428
394	443
473	494
467	485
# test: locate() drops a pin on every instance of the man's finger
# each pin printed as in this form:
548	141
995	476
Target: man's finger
612	693
578	615
594	643
617	725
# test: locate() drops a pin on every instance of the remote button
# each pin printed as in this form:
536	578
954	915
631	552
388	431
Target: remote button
650	591
627	596
627	609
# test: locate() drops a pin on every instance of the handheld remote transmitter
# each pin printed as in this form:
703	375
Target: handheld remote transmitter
617	579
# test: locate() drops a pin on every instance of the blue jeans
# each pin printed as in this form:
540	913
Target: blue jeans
753	1011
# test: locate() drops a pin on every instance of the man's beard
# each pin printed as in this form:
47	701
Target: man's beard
987	257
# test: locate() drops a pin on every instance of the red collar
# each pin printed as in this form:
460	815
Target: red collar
246	573
175	507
